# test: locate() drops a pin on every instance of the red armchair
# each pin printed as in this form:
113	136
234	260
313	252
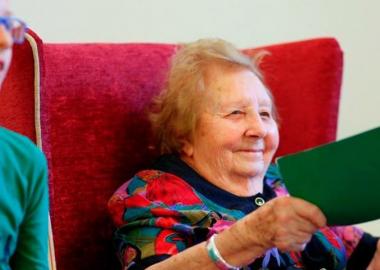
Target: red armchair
85	105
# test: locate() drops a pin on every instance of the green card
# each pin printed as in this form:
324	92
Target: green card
342	178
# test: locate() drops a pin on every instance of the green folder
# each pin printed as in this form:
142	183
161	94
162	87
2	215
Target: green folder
342	178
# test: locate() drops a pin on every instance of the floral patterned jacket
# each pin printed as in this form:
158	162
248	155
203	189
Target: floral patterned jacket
160	212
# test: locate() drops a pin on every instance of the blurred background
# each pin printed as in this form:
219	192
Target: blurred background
246	23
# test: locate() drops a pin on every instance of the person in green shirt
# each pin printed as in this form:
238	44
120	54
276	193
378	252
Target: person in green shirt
23	177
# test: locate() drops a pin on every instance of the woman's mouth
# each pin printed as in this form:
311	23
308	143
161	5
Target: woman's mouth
253	150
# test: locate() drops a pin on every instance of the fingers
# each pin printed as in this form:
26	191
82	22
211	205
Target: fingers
287	223
309	212
301	225
306	213
293	238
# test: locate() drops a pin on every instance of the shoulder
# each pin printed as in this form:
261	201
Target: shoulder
274	180
22	161
155	185
17	149
151	189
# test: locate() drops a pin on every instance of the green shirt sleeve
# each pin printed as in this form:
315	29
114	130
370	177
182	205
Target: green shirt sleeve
23	204
32	245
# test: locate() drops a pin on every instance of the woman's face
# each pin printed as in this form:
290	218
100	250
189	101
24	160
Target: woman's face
6	42
236	136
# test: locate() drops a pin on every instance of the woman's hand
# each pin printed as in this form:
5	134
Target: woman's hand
286	223
375	263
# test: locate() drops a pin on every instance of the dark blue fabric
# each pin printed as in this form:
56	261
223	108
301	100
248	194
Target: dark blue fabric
174	165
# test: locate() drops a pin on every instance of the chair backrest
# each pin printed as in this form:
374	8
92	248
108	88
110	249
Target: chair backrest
91	106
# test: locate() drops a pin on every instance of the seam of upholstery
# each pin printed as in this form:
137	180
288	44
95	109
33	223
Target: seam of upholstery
37	124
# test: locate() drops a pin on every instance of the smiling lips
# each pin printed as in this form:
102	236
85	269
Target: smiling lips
260	150
256	152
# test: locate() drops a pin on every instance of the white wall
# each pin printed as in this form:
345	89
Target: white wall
246	23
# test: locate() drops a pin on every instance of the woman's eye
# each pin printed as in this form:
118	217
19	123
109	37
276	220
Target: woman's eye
236	112
265	114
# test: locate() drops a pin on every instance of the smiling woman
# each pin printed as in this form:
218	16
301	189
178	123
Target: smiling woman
212	200
236	135
23	177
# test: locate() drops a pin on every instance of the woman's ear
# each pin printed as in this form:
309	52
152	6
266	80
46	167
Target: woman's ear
187	148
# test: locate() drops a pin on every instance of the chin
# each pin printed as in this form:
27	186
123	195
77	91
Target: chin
258	170
5	59
3	75
254	172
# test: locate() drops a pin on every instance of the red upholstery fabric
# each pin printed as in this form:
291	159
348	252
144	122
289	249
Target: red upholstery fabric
17	93
305	78
96	135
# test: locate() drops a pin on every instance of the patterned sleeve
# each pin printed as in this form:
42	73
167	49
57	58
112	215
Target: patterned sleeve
360	246
150	223
350	236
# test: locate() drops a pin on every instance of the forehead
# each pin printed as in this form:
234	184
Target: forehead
231	83
5	8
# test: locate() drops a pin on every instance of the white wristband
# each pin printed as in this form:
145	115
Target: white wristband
215	256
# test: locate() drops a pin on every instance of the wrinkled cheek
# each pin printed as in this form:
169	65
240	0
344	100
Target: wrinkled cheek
271	144
274	139
5	57
220	157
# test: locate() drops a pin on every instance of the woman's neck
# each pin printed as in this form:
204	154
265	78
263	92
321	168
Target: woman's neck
239	185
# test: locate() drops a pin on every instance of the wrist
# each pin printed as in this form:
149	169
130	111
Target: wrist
238	246
258	231
216	257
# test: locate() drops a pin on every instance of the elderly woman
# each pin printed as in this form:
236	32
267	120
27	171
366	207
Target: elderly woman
212	200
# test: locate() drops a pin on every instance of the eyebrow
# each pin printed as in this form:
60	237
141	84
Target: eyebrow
266	102
242	104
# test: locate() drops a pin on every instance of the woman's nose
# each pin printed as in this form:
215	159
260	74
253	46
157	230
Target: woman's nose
256	127
6	40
